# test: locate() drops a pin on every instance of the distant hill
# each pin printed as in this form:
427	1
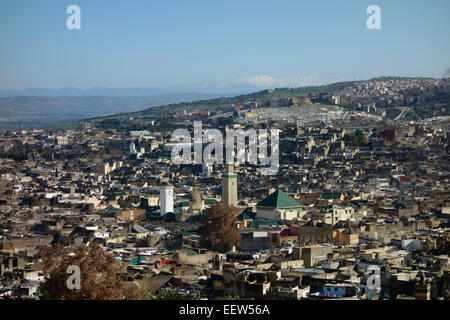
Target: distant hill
203	88
206	87
36	111
244	98
423	110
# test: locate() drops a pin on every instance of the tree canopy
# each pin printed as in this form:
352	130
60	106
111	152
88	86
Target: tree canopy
218	231
101	276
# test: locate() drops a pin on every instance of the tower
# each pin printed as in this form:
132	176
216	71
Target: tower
132	148
197	201
422	289
229	186
166	199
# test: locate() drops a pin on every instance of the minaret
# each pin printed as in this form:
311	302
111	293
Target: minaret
229	186
166	199
197	201
422	289
132	148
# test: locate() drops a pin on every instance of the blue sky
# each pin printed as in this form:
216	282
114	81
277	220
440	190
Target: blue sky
162	43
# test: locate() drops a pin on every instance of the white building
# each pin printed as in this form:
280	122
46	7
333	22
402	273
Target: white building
143	133
132	148
166	199
338	214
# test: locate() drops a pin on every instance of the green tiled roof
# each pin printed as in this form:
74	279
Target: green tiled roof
261	224
233	175
189	233
111	208
279	199
245	216
330	196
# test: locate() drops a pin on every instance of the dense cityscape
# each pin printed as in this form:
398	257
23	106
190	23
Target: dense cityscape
359	208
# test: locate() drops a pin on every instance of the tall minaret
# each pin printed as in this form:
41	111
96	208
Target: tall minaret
132	148
197	201
229	186
166	199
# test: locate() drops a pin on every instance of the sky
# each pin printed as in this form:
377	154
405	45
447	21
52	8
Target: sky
164	43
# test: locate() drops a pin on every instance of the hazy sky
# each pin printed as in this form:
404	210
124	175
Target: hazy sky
161	43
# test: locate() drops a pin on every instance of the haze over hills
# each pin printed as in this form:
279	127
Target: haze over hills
36	111
241	86
125	92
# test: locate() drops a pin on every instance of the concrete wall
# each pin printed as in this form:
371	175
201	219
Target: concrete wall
195	259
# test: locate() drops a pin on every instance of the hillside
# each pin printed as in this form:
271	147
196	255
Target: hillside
36	111
313	91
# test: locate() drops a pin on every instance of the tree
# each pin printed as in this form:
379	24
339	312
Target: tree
101	276
217	230
223	121
357	139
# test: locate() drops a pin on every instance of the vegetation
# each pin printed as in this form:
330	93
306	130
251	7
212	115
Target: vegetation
16	156
436	108
101	274
222	103
64	126
392	113
357	139
170	295
217	231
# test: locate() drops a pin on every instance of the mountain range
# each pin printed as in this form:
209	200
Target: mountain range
228	88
